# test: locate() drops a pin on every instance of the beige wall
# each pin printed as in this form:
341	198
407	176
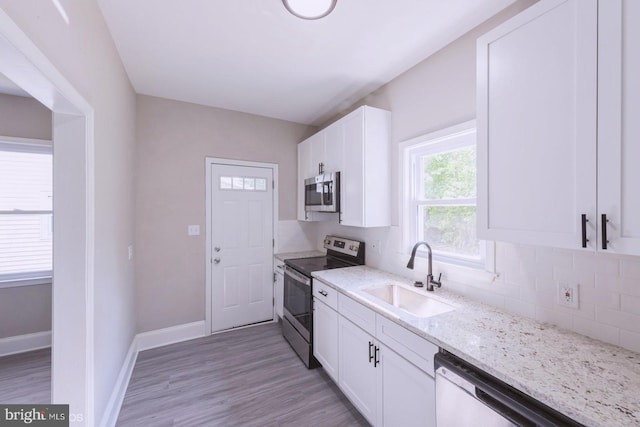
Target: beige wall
27	309
74	37
24	117
173	139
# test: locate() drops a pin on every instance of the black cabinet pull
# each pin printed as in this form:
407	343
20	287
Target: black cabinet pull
376	360
370	352
584	230
604	231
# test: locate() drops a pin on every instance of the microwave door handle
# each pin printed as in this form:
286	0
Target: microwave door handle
326	193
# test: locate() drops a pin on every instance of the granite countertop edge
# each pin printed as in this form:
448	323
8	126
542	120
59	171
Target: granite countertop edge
283	256
590	381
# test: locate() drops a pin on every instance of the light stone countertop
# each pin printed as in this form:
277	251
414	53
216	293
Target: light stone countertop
303	254
594	383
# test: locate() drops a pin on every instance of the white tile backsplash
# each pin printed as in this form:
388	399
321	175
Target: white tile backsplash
296	236
526	282
630	269
630	340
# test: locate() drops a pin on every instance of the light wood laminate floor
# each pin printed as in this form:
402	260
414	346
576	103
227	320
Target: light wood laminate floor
245	377
25	378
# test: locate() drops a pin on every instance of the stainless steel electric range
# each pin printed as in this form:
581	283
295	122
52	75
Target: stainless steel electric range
297	323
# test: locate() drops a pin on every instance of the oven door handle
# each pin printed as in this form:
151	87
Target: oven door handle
288	271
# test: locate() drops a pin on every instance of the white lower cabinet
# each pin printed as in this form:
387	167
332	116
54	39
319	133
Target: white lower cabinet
325	337
408	393
385	370
358	375
278	287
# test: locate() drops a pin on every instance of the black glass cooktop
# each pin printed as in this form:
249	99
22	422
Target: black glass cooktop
308	265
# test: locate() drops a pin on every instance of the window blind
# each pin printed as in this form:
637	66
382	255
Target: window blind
26	205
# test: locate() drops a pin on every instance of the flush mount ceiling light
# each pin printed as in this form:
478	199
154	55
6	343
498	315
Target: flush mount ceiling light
310	9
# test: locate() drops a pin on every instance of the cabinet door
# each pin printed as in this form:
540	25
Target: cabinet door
408	393
618	125
333	138
278	294
537	125
357	375
317	154
325	337
352	179
304	164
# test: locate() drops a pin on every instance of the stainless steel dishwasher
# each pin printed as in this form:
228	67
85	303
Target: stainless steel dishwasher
468	397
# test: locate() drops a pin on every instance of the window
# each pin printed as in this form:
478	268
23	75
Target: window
26	216
440	189
243	183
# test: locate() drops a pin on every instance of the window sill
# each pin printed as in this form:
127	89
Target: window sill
463	274
17	283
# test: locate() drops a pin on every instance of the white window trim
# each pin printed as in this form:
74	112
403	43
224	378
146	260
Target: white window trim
407	183
26	145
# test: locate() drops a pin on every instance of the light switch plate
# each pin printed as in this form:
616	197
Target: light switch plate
193	230
130	252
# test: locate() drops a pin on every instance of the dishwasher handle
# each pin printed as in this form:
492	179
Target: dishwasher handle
502	398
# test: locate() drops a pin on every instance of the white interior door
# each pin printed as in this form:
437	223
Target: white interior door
241	245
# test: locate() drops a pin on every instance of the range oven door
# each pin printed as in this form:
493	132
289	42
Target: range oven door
297	301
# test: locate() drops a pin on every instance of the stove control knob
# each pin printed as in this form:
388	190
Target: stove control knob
353	248
327	241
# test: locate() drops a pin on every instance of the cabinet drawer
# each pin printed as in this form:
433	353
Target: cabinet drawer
357	313
325	293
411	346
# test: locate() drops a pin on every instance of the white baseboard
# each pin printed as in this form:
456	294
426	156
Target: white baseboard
145	341
171	335
23	343
112	411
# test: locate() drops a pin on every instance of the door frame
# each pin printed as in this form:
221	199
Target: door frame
209	162
72	322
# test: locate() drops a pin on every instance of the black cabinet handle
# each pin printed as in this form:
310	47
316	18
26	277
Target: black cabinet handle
604	231
584	230
370	352
376	360
323	292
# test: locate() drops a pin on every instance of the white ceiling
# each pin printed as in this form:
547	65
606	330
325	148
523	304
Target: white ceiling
253	56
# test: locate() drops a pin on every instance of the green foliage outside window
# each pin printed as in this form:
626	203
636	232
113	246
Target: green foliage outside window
447	177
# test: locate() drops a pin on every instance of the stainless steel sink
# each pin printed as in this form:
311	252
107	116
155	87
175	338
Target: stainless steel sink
413	302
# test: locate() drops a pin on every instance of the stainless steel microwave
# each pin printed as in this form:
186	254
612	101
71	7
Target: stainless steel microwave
322	193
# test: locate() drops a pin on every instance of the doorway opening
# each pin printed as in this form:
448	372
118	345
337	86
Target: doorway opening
73	227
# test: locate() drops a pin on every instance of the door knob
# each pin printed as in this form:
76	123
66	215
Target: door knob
217	249
216	261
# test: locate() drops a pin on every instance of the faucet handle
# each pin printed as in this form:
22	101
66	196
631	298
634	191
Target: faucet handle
438	282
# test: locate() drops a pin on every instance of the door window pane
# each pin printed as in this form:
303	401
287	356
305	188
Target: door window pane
246	183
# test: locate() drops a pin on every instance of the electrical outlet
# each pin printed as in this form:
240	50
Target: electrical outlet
193	230
375	245
568	294
130	252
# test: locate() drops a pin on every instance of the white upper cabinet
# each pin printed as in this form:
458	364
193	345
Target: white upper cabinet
619	126
304	172
358	147
537	124
365	180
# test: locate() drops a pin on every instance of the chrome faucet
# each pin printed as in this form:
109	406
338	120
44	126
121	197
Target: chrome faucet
430	280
